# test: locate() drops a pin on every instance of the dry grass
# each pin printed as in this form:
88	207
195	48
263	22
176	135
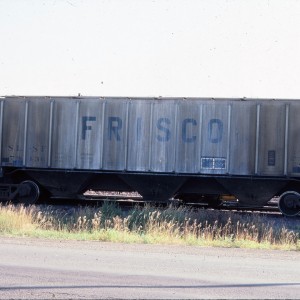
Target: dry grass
150	225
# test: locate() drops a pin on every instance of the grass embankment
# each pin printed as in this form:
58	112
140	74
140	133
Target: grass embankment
150	225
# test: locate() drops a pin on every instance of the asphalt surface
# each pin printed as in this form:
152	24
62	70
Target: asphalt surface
45	269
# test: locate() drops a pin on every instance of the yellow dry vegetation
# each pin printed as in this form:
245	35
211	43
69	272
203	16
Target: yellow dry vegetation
151	225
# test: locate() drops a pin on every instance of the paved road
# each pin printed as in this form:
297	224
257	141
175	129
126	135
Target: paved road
33	268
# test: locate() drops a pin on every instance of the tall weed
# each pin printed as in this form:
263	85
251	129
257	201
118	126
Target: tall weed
149	224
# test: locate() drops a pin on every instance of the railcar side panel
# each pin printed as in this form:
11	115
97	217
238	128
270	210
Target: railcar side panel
37	138
90	134
163	139
115	135
242	139
13	132
271	138
192	136
189	122
215	137
294	139
64	131
139	135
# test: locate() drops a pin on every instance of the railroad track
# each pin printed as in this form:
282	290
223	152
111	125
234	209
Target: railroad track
135	199
128	201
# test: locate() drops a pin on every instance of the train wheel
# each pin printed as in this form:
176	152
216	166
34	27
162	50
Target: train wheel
28	192
289	203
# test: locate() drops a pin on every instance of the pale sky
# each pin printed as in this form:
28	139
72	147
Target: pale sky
180	48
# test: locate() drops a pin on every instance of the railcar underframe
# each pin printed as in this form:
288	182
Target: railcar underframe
28	185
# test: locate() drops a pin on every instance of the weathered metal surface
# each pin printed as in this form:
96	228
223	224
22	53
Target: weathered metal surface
13	121
90	134
37	137
188	142
271	139
242	138
163	139
294	140
214	137
63	134
184	136
114	135
139	134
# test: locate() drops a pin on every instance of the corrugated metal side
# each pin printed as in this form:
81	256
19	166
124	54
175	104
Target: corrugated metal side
243	138
37	138
63	134
272	135
139	135
215	137
13	133
294	139
163	140
184	136
188	131
90	134
114	138
1	129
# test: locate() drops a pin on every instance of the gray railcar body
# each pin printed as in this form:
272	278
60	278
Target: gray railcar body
158	146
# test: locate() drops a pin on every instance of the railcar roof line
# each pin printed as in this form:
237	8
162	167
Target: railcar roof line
168	98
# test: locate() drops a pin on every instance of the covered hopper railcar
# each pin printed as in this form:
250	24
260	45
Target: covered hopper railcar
160	147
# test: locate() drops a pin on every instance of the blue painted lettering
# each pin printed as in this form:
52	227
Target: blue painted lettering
165	130
215	131
86	127
114	126
185	138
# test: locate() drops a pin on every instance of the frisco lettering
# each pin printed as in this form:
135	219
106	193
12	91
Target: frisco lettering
163	133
